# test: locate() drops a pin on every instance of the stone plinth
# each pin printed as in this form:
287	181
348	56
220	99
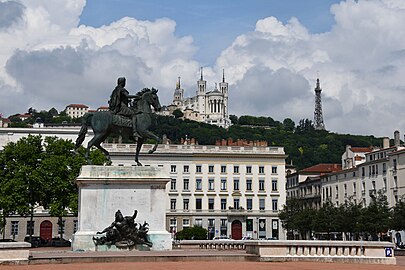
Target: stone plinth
105	189
14	252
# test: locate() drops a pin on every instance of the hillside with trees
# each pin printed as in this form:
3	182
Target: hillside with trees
304	145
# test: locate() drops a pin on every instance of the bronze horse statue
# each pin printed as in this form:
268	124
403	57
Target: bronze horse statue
104	123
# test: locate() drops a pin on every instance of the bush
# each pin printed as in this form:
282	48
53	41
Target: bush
193	233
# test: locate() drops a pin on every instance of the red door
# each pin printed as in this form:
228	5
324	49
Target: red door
46	230
236	230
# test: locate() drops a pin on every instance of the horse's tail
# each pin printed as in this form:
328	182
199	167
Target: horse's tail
86	122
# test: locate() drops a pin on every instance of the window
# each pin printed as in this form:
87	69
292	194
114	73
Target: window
261	184
198	222
249	184
173	168
211	222
75	225
186	184
223	184
235	169
394	161
224	224
223	169
373	185
223	204
354	189
198	168
249	204
186	204
211	168
261	204
61	227
173	184
274	204
172	204
236	184
198	203
395	182
173	225
198	184
249	225
248	169
384	169
337	192
236	203
261	169
186	223
30	227
385	184
186	168
211	204
274	169
211	184
274	185
345	189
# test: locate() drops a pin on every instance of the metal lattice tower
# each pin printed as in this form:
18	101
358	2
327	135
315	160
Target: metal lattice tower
318	118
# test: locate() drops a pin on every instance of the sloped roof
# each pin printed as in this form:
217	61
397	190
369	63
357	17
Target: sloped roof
361	149
323	168
77	106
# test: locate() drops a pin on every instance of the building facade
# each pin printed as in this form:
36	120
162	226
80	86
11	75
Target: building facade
76	110
210	107
230	191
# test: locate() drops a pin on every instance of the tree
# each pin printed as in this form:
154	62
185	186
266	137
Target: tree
398	215
289	214
325	218
21	182
177	113
288	124
53	112
36	172
234	119
375	218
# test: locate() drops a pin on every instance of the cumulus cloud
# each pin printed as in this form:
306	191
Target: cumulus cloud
360	64
48	60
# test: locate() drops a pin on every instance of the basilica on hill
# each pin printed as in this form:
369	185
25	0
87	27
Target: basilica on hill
210	107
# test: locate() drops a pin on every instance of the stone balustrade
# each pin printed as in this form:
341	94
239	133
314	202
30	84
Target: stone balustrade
211	244
323	251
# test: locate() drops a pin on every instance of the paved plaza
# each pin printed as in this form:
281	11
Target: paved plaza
206	266
187	263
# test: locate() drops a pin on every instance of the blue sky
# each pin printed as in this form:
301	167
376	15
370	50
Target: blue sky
56	53
213	24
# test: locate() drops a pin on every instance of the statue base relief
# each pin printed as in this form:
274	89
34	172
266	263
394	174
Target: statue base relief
105	189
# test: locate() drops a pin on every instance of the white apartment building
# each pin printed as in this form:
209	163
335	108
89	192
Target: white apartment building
76	110
228	190
383	169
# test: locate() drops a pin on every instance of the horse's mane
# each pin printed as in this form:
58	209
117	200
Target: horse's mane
143	91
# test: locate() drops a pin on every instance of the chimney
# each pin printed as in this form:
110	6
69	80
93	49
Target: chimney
397	140
386	142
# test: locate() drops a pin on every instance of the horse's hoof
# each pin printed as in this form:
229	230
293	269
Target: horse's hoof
151	151
138	163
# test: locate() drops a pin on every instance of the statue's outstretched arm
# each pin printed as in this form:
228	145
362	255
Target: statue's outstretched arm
108	228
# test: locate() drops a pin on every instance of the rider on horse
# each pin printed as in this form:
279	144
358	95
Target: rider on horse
118	103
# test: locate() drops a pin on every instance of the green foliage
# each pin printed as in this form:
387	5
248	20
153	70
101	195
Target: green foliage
349	217
398	215
36	172
192	233
178	113
304	145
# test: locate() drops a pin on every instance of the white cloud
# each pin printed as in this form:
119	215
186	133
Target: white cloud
48	60
360	64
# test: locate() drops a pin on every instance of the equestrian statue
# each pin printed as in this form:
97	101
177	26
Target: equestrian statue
127	113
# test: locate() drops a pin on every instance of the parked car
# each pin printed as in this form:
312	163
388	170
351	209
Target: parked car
222	238
7	240
247	237
60	242
36	241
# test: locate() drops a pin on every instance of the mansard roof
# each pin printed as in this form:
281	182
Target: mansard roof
323	168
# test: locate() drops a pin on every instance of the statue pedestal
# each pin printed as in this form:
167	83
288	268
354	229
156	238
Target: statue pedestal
105	189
